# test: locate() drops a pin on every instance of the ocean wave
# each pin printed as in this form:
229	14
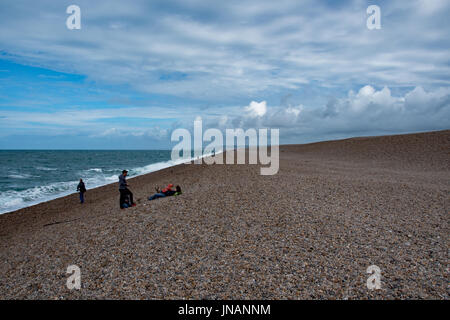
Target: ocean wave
13	200
21	176
46	169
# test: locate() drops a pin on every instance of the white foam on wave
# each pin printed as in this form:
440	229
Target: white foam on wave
46	169
21	176
14	200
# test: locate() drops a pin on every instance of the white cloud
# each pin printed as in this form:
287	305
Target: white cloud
294	110
368	96
370	111
230	49
431	6
257	109
154	132
108	132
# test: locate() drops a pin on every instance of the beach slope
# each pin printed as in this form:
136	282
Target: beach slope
309	232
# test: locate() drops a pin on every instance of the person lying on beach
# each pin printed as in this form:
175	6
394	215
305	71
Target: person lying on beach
162	193
124	191
81	188
166	192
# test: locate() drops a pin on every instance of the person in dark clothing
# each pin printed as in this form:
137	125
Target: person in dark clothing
126	203
177	191
124	191
81	188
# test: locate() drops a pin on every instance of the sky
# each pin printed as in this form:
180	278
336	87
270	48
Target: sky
137	70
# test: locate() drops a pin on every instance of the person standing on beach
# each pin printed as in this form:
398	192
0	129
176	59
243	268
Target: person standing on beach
81	188
124	191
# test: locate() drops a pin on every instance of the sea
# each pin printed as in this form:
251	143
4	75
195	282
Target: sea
29	177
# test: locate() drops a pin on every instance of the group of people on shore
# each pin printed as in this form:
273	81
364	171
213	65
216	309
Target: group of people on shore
126	196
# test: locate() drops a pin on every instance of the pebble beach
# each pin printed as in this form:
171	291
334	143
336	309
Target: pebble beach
309	232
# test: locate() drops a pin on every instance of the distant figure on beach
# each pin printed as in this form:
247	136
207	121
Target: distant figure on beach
81	188
166	192
125	193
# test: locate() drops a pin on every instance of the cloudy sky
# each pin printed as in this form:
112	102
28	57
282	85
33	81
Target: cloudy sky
137	70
